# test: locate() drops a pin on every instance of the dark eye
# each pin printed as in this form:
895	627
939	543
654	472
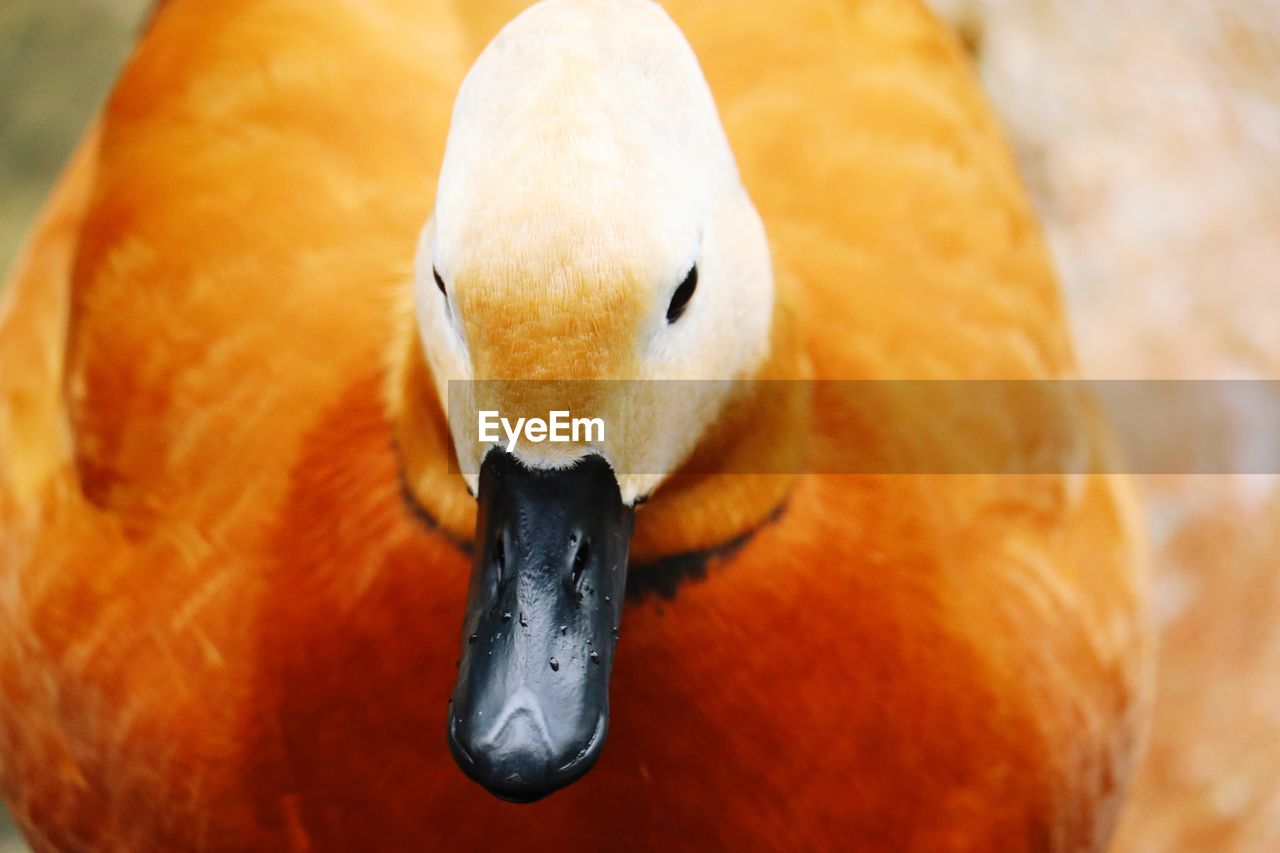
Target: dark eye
680	299
439	280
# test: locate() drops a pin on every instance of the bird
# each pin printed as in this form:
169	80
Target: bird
261	587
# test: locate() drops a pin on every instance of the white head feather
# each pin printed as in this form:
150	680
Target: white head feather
586	154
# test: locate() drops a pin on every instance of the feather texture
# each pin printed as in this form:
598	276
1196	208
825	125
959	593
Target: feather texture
222	626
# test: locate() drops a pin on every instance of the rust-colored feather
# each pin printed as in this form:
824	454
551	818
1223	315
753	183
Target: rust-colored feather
221	624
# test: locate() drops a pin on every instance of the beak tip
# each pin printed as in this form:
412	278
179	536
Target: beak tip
518	764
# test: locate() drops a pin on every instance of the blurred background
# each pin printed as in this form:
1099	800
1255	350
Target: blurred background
1149	134
57	60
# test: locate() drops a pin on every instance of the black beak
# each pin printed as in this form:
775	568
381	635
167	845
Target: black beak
531	706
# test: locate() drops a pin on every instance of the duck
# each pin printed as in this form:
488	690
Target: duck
264	586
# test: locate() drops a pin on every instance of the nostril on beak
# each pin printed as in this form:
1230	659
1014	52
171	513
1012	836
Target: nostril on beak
580	558
499	558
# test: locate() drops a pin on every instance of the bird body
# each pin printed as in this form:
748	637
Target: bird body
233	556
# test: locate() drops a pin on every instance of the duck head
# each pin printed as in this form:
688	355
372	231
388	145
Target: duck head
590	226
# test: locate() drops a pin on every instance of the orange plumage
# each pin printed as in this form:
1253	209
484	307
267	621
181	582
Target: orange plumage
222	624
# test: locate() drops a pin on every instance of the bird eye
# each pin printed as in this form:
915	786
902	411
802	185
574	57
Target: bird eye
439	281
680	299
